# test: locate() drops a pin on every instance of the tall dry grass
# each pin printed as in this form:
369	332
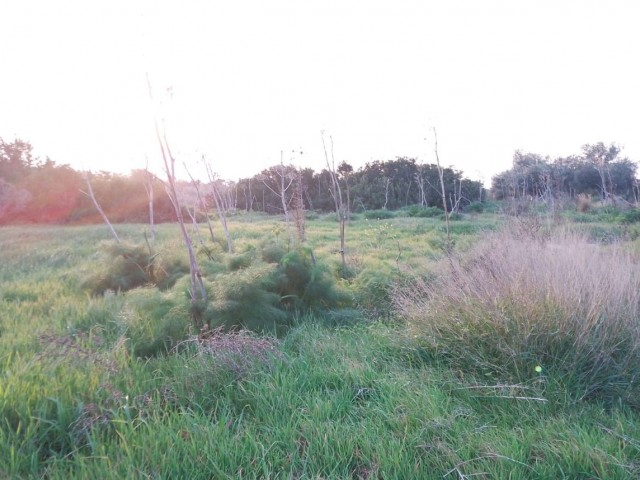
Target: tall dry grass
518	302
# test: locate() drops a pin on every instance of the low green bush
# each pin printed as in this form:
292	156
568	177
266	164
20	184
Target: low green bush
129	266
631	216
304	284
245	299
421	212
453	216
379	214
155	321
474	207
273	253
240	261
372	291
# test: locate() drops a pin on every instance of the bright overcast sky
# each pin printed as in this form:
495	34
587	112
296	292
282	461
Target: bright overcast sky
240	81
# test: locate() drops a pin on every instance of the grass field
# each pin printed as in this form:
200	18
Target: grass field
515	358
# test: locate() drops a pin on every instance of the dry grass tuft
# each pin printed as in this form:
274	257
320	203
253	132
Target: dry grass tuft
78	347
236	352
516	302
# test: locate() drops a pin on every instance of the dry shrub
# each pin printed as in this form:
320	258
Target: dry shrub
584	202
516	302
79	348
236	352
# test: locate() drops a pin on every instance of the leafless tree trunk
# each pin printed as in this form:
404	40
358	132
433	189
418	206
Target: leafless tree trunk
457	196
297	204
198	291
219	206
202	201
444	195
282	194
98	207
148	186
336	193
250	197
420	182
386	192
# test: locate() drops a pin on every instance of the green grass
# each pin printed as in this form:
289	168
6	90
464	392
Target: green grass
328	399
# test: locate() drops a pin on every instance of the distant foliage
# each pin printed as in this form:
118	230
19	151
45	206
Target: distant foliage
474	207
32	190
599	171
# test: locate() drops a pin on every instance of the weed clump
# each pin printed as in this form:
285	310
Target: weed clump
155	321
560	303
304	285
130	266
245	299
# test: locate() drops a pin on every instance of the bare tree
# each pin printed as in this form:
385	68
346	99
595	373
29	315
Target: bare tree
387	183
148	186
420	182
444	195
456	198
90	194
202	201
336	194
346	170
197	291
287	178
220	208
297	204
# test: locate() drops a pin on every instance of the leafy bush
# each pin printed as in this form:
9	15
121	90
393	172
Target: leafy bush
379	214
565	305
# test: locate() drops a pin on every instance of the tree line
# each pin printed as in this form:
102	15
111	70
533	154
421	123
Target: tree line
599	171
33	190
390	185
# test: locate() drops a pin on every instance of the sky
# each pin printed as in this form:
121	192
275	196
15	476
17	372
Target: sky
241	81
